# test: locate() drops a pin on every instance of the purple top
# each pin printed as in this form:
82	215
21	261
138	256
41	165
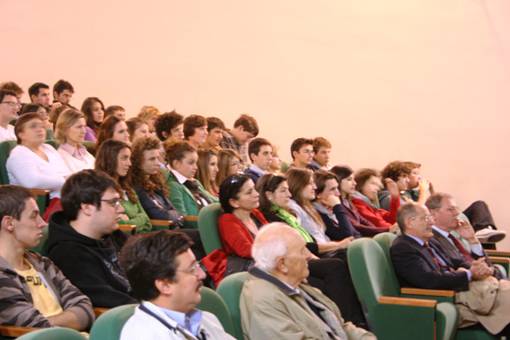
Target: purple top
90	135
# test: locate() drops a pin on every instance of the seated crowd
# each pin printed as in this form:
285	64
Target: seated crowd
288	225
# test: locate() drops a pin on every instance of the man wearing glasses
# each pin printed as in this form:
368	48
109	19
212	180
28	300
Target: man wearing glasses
84	239
9	107
166	277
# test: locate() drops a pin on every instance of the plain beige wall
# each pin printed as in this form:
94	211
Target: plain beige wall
423	80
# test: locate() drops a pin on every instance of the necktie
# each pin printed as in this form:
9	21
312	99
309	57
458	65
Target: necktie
437	263
460	248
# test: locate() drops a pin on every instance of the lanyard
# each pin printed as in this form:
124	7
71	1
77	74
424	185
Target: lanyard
200	336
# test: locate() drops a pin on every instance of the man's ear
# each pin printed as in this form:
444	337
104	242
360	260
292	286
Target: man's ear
6	223
87	208
164	286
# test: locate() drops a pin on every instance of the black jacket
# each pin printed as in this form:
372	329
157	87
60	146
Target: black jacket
91	265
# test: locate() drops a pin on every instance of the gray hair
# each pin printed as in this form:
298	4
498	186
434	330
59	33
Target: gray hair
270	244
406	211
435	201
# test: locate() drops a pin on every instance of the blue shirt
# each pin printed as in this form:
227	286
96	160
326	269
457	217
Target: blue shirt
190	321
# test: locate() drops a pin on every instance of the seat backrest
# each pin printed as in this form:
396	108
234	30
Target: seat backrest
5	150
53	333
370	272
208	227
213	303
109	325
230	290
385	240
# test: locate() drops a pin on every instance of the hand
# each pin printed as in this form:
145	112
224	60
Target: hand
465	229
392	187
480	269
124	217
345	242
331	200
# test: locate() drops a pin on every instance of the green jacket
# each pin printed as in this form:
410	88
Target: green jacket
183	200
137	216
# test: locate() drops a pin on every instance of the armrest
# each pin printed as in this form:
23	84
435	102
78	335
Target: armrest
429	294
500	253
500	260
161	223
127	228
39	192
391	300
191	218
15	331
100	310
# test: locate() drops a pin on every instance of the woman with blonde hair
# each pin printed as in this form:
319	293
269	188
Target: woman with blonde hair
208	170
229	163
70	133
149	114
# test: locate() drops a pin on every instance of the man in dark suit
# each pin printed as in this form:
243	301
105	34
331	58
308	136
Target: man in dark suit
419	261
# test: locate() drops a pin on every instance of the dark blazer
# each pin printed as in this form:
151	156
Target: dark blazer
342	229
252	174
415	267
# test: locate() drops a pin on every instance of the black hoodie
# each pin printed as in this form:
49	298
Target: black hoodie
91	265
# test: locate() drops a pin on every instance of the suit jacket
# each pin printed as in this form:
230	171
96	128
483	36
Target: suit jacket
415	267
252	174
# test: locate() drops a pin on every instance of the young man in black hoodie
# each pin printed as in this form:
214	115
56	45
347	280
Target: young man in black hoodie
84	239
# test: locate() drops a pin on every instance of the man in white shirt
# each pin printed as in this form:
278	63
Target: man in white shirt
9	107
166	277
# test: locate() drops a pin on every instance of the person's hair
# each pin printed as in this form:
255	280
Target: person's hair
341	172
110	110
248	123
55	112
224	158
107	161
12	87
320	142
267	183
85	187
411	165
435	201
298	143
213	123
394	170
298	179
64	122
149	257
176	151
35	88
166	122
86	108
62	85
406	211
256	144
321	177
148	182
107	129
230	189
193	122
362	176
13	200
203	174
133	124
148	112
22	120
29	108
4	93
267	252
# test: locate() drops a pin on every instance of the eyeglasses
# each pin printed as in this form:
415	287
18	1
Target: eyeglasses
114	202
194	270
13	104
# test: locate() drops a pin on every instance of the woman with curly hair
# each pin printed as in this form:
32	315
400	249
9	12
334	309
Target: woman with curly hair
93	108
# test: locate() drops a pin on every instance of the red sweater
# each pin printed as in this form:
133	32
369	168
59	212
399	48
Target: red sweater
236	240
381	218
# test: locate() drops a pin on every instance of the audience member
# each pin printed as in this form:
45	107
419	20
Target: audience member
115	110
260	153
187	194
137	128
229	163
215	128
245	128
276	162
301	151
208	170
12	87
113	128
419	261
276	303
70	133
34	291
399	173
166	278
9	107
149	114
195	130
93	108
237	227
345	177
170	125
84	239
40	94
63	92
30	108
321	153
34	164
114	158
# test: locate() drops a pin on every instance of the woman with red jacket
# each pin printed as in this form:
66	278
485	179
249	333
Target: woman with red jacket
237	227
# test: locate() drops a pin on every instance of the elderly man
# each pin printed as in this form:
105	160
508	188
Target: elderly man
419	261
166	277
277	303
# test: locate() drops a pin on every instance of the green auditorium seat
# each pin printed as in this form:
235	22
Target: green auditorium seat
54	333
208	227
213	303
230	290
109	325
